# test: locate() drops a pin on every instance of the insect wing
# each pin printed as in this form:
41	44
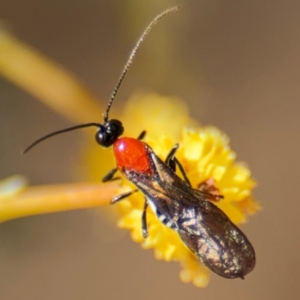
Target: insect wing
165	191
203	227
218	243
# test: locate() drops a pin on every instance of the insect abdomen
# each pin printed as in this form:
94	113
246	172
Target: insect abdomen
161	216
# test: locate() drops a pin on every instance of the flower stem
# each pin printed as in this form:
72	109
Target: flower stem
54	198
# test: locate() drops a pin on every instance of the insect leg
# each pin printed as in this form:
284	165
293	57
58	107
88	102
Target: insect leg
170	158
182	171
172	161
122	196
109	176
142	135
144	220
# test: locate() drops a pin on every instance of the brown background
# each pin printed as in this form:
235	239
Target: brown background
236	63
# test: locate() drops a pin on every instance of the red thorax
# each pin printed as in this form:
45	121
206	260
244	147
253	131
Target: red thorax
131	154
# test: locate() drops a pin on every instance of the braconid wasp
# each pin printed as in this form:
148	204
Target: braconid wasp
203	227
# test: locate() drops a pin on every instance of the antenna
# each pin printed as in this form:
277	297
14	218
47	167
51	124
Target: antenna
109	132
59	132
133	54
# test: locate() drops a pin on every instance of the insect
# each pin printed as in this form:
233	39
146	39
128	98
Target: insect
203	227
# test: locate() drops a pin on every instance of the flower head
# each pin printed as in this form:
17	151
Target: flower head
206	157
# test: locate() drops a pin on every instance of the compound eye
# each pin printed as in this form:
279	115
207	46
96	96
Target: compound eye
101	136
114	128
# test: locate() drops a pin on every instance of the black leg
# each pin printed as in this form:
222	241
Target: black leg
142	135
109	176
182	171
144	220
122	196
172	161
170	158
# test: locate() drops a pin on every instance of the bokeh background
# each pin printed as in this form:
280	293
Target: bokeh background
236	64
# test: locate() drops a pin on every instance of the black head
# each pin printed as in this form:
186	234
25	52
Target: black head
109	132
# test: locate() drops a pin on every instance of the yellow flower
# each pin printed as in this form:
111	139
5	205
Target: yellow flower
204	153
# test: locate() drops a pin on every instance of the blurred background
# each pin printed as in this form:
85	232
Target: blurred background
237	66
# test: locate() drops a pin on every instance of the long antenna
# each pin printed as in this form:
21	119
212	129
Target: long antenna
59	132
113	128
132	55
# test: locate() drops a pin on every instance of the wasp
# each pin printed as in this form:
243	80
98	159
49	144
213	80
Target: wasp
202	226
